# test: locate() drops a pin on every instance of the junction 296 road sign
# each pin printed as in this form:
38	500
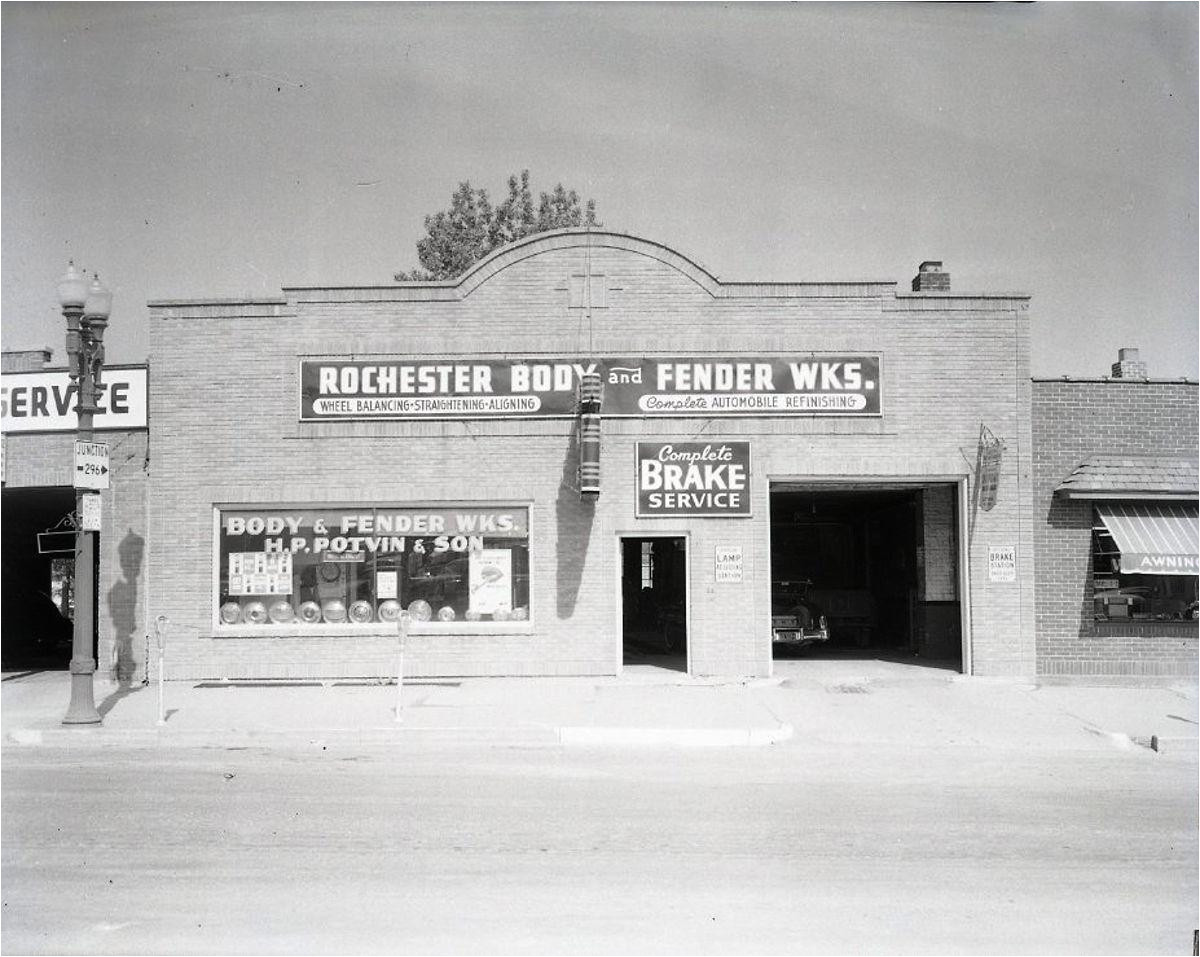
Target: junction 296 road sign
91	465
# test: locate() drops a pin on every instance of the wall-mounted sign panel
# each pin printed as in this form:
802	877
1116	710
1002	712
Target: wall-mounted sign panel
45	401
728	564
693	479
800	384
1002	563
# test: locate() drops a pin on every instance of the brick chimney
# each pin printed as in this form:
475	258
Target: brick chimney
1128	365
930	278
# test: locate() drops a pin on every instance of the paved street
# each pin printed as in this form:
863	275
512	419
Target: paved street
787	849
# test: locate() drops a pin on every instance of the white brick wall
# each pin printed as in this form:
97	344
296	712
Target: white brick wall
225	429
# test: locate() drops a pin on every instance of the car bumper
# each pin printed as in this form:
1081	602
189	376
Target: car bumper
788	636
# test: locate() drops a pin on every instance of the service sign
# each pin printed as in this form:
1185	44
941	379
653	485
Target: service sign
693	479
801	384
46	401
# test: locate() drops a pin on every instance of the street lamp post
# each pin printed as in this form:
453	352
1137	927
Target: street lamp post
85	306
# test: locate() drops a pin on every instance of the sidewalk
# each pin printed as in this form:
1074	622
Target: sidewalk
815	704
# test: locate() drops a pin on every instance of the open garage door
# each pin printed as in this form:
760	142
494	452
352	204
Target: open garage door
37	605
866	571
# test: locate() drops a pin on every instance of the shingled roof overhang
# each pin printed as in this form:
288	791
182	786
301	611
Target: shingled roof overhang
1132	477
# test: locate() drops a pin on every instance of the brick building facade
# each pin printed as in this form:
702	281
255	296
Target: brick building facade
236	440
314	455
1106	425
38	495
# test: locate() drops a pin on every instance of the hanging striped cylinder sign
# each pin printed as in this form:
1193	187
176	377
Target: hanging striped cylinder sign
589	455
590	386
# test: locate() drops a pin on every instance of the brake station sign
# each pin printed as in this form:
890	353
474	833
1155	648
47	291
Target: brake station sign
693	479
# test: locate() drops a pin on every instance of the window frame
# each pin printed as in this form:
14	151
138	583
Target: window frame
220	629
1103	548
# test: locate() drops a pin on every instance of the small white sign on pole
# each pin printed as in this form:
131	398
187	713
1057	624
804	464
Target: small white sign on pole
1002	563
89	512
91	465
729	563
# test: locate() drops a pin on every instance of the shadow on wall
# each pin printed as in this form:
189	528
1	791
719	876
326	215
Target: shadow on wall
574	518
123	605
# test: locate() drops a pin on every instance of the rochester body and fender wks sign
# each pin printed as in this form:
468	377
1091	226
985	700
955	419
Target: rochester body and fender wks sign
696	479
811	384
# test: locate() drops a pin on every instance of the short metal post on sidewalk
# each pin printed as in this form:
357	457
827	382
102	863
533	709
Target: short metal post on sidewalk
160	627
402	624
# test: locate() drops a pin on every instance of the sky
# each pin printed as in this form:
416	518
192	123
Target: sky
224	150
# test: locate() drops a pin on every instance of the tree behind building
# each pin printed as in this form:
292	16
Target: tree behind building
458	237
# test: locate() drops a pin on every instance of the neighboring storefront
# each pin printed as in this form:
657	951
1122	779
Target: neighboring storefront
1115	471
588	452
38	498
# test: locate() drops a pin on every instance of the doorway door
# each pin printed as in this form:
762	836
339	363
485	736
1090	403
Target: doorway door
654	601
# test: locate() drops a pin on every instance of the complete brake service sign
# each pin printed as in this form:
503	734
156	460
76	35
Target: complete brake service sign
694	479
807	385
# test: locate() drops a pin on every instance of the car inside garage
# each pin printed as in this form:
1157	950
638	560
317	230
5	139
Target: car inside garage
862	570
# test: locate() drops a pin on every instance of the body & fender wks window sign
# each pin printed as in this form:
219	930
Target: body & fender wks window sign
803	384
693	479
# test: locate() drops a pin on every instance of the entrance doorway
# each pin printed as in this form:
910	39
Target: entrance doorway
654	601
880	565
38	603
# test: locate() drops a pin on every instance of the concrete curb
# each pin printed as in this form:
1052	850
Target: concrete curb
226	739
547	736
590	736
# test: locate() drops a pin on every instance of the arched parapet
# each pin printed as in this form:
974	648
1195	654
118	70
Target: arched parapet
583	238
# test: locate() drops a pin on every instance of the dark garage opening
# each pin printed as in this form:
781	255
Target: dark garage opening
879	563
654	601
37	604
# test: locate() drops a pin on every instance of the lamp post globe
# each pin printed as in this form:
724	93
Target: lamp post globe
72	288
98	303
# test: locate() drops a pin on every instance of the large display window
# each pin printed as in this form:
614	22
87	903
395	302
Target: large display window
336	568
1148	572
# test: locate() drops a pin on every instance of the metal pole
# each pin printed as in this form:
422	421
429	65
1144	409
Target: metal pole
401	636
160	626
82	709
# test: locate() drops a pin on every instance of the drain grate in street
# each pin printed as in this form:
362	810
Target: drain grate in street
848	689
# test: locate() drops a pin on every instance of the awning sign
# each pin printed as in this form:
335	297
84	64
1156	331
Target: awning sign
1153	563
1153	538
801	384
693	479
46	401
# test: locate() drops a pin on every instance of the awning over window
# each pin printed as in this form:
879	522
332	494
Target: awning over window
1154	539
